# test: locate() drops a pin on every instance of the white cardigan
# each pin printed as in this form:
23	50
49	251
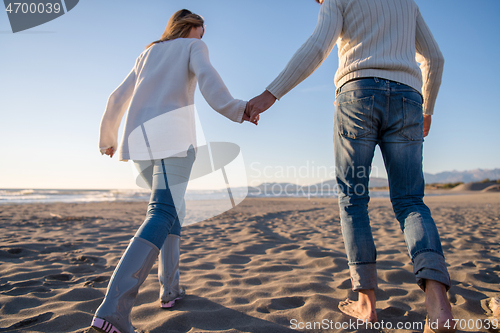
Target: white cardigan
383	38
159	96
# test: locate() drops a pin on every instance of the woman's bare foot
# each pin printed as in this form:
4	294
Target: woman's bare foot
363	309
439	316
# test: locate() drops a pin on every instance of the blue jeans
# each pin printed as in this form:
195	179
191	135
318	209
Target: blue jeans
375	111
168	179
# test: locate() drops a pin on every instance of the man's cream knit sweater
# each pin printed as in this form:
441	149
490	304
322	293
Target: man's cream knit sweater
375	38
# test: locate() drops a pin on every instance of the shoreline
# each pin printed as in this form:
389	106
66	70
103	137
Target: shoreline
143	196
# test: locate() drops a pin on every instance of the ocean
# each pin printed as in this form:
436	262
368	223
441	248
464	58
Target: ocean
25	196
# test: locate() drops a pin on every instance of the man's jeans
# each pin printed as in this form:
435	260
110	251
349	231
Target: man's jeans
168	179
375	111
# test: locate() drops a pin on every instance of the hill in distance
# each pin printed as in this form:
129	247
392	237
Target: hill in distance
469	176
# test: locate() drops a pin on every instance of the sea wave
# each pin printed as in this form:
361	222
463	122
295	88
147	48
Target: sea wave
17	196
21	196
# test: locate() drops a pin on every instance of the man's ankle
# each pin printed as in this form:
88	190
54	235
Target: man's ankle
367	297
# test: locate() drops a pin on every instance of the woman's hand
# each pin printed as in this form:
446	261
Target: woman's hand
110	151
246	117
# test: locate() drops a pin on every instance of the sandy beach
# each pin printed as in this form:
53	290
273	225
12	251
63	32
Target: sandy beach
269	265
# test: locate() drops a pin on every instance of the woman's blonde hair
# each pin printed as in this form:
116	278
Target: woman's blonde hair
180	25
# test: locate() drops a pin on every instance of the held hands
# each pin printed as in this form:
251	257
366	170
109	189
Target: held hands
427	124
246	117
259	104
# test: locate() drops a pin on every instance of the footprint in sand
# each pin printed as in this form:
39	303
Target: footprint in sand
86	259
59	277
28	322
280	304
23	288
15	251
235	259
97	279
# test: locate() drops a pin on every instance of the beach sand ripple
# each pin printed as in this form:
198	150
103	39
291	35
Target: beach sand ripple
260	267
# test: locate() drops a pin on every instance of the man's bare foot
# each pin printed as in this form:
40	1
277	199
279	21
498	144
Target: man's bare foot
363	309
439	317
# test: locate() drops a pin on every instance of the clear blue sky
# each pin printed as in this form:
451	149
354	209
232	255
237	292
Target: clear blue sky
56	79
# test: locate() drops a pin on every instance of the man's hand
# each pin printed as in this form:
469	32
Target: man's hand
260	104
427	124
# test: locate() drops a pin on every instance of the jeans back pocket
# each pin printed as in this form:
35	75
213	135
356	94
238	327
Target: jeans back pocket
355	117
413	120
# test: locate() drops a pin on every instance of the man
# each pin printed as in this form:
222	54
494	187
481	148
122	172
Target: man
383	97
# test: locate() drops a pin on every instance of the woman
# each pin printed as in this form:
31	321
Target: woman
160	137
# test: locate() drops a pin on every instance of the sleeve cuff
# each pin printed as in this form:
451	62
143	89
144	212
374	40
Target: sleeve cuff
273	91
428	111
103	149
241	111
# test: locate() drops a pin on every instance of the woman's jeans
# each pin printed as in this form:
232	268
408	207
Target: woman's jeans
168	179
375	111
